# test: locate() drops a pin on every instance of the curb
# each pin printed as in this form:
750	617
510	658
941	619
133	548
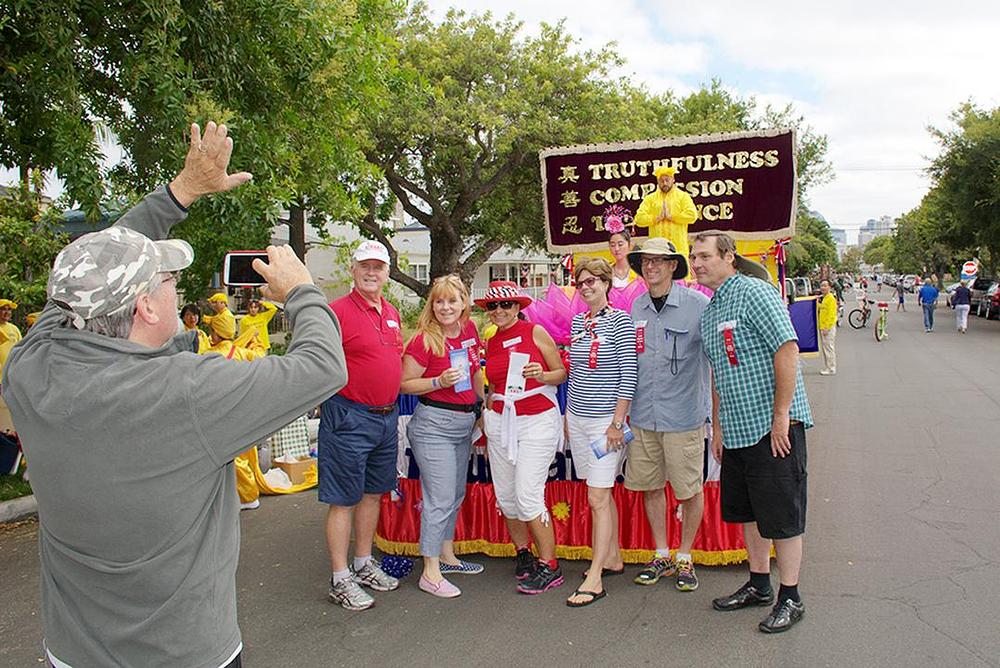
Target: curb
16	509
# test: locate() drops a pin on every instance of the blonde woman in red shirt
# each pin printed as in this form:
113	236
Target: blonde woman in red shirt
441	366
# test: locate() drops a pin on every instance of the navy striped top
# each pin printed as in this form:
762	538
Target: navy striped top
595	392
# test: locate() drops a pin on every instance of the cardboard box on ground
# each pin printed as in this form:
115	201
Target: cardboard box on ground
296	470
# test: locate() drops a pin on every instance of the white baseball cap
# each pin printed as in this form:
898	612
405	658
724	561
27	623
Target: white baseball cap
371	250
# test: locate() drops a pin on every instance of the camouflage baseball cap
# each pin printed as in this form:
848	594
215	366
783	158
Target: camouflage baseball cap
103	272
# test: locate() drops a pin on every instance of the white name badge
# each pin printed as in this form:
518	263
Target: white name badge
641	324
512	342
728	324
392	323
468	343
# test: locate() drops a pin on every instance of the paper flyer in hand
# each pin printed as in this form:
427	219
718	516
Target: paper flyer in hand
460	361
515	375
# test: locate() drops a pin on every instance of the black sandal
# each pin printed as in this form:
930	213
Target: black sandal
606	572
594	596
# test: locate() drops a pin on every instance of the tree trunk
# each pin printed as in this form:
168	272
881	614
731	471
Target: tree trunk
446	250
297	230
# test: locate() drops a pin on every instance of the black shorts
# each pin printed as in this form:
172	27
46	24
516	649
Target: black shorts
771	491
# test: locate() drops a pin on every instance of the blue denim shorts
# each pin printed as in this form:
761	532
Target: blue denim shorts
357	451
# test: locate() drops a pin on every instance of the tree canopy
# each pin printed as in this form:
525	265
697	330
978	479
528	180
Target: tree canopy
964	203
475	99
289	77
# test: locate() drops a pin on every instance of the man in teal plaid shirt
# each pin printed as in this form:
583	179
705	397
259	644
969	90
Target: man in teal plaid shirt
759	414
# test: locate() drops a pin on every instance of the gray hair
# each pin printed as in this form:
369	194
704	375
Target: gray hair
119	325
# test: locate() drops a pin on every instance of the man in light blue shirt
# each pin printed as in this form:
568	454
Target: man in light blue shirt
671	404
928	297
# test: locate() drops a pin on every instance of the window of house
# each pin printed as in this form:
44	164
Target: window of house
419	271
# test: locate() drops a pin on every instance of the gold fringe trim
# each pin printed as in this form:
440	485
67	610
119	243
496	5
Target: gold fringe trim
571	552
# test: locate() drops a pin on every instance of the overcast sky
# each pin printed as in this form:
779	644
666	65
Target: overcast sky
871	75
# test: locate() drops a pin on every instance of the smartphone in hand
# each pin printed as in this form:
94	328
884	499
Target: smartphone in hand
238	271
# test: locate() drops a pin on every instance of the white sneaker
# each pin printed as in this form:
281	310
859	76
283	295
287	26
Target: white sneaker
372	575
826	372
349	594
251	505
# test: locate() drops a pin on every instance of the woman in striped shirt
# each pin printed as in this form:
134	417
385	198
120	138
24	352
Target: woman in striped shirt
602	380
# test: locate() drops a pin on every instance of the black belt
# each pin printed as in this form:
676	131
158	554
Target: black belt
381	410
460	408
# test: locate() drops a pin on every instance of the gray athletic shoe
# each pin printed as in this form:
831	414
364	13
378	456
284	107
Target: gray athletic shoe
349	594
372	575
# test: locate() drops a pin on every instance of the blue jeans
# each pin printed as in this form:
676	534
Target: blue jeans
928	316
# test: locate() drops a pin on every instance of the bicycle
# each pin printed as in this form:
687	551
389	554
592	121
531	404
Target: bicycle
883	319
858	318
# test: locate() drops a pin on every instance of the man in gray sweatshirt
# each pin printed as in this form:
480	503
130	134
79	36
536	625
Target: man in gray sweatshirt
131	435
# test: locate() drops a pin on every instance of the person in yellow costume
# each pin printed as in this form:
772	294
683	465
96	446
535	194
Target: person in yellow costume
190	315
667	211
827	323
223	341
9	335
259	314
245	349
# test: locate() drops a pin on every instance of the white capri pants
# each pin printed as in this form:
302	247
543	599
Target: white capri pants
582	432
520	486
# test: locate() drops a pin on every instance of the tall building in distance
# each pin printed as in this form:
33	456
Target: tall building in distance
875	228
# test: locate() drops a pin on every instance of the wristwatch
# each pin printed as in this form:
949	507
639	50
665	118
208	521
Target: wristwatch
617	425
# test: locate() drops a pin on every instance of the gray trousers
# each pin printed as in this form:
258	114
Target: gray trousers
441	441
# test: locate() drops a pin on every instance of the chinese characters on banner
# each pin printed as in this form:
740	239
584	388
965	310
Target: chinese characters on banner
741	183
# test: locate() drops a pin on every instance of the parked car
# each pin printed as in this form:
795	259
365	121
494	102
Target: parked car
909	281
980	288
989	305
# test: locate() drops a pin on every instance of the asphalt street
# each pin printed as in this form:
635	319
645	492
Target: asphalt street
902	564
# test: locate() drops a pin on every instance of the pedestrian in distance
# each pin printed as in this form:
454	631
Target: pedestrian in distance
760	414
961	301
927	298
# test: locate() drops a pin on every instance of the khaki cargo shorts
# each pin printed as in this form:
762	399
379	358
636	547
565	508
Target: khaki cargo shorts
657	456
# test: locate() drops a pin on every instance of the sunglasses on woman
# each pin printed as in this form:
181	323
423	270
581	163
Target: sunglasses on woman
505	305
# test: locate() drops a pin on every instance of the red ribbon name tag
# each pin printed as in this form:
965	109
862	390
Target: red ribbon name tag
592	362
640	339
730	343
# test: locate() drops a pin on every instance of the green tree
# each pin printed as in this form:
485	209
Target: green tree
474	102
289	77
850	262
29	243
965	200
878	251
811	246
920	244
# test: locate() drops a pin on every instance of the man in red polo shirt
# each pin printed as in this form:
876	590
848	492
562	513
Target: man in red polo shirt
357	430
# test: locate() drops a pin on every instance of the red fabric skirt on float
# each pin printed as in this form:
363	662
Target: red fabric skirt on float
481	527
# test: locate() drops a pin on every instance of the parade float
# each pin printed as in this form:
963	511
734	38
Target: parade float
743	184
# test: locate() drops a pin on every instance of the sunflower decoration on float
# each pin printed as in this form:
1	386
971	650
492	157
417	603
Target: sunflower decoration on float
561	511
